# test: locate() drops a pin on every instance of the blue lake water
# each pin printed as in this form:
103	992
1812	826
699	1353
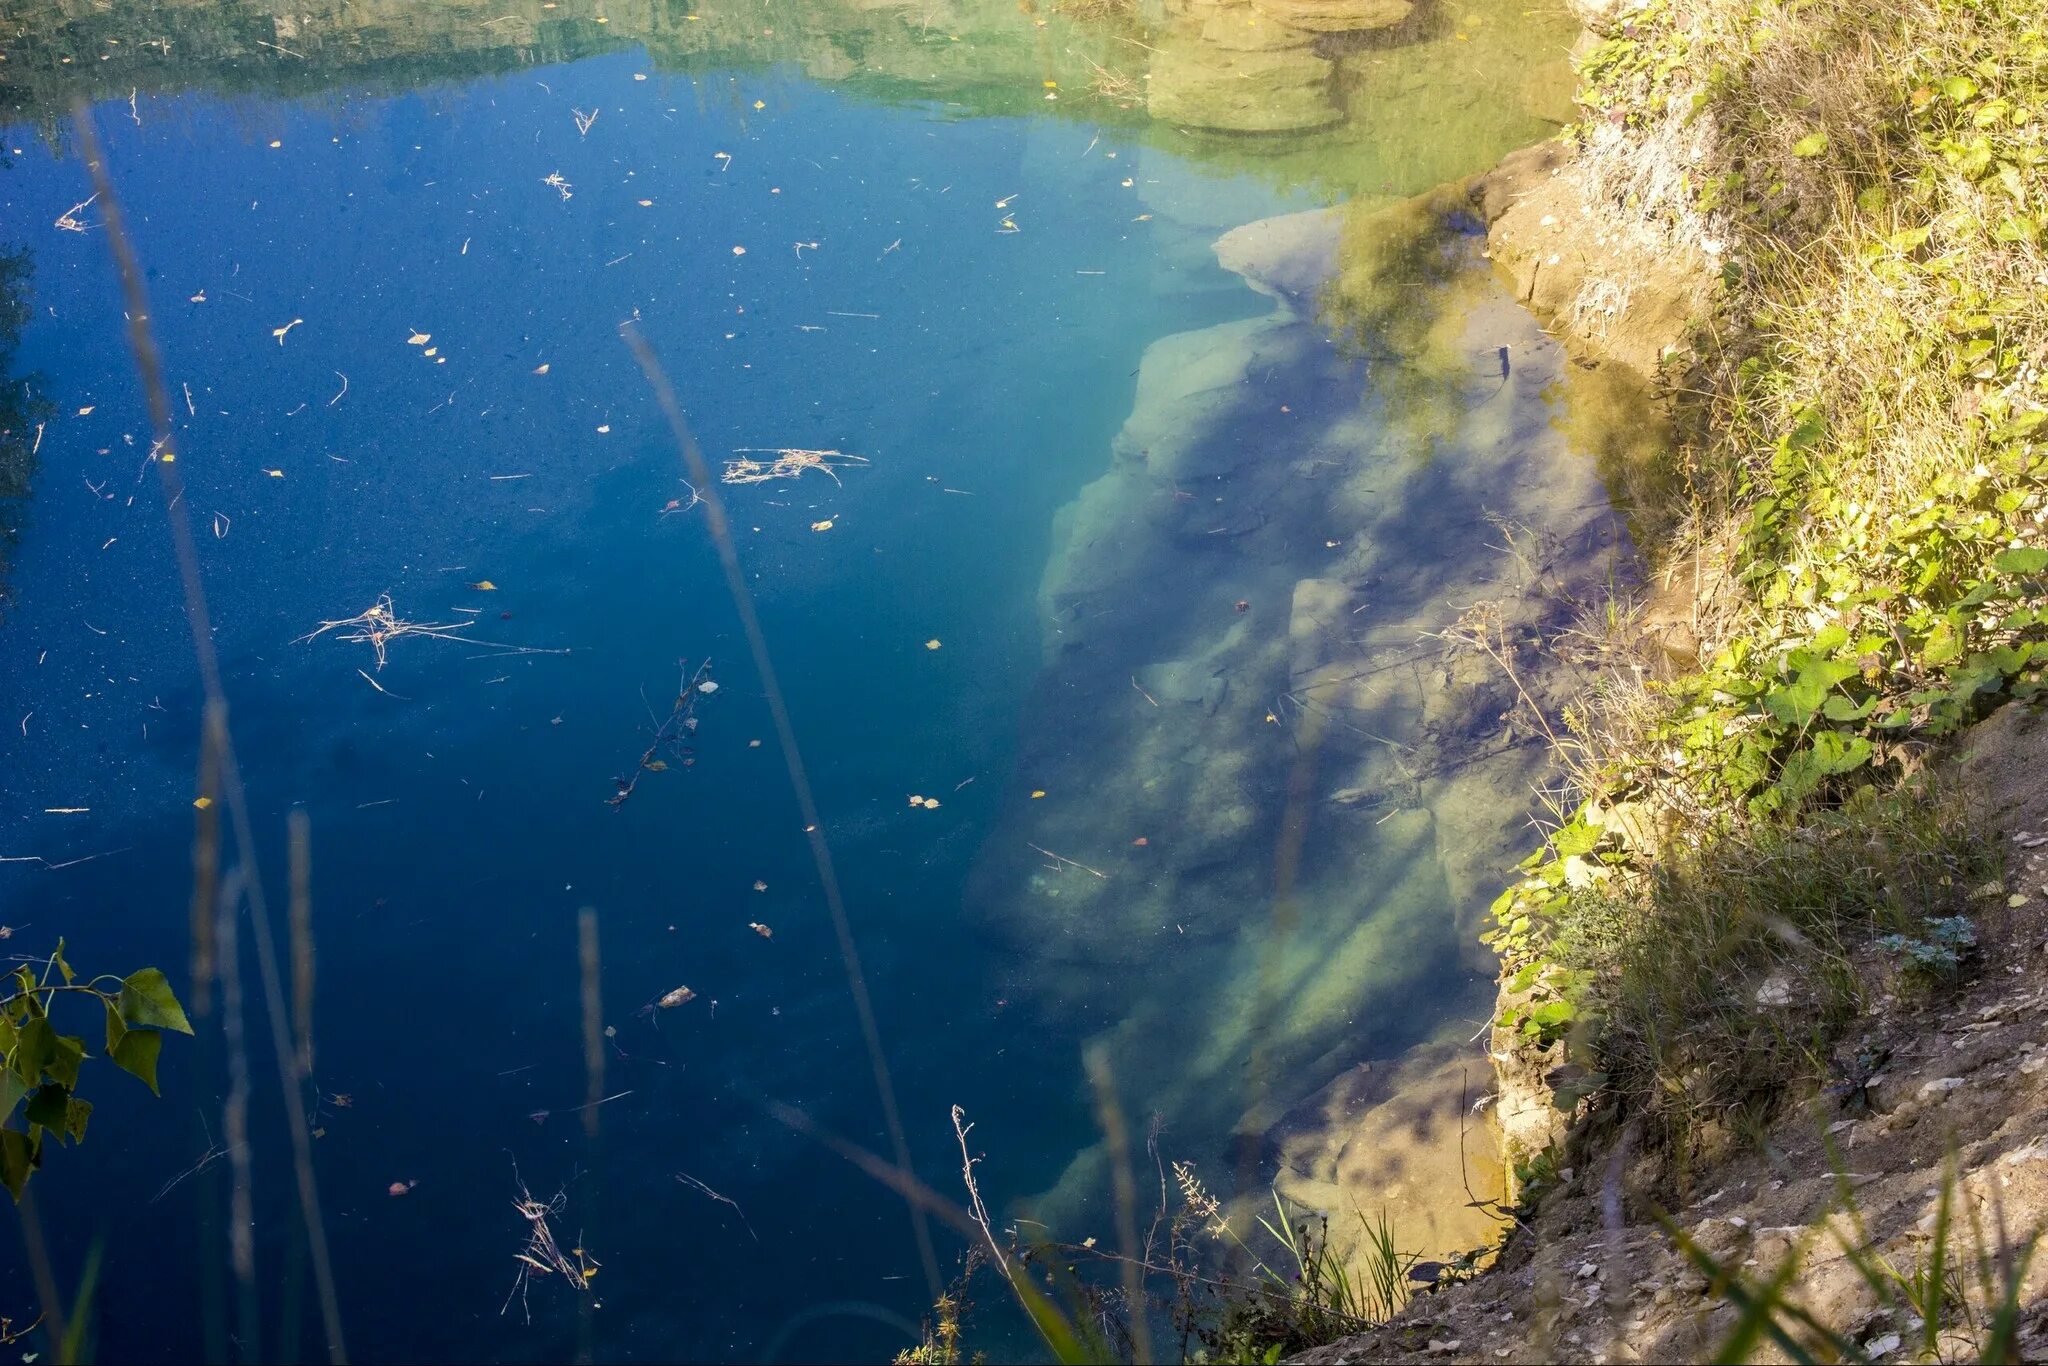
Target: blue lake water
389	308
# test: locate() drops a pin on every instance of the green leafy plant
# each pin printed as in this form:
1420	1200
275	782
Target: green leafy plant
39	1080
1935	953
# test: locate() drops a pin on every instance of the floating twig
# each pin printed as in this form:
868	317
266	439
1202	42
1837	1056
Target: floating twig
542	1255
670	735
789	463
1062	860
697	1185
69	221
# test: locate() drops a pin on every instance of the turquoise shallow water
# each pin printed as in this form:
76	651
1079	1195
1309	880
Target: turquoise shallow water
355	294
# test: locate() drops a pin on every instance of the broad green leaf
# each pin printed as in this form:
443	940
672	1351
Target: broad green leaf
46	1106
2022	561
1944	645
1840	708
1812	145
35	1050
1840	753
76	1113
11	1092
18	1157
116	1026
1797	701
1576	838
136	1055
70	1053
147	999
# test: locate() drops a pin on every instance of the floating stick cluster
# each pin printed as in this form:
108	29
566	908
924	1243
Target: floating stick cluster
788	463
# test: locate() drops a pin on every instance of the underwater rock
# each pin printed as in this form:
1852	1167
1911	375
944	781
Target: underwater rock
1392	1138
1312	623
1246	28
1337	16
1289	257
1201	85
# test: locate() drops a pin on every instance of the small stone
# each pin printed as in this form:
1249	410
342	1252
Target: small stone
1940	1086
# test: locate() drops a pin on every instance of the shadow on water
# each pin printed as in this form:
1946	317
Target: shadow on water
1273	805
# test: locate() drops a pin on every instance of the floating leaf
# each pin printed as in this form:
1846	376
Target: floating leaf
932	644
760	886
419	339
656	765
202	802
758	928
484	586
825	525
1036	793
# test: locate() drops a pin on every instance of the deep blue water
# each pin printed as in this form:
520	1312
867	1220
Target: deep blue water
355	292
458	815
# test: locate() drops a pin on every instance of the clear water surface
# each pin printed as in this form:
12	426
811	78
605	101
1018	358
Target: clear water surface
388	264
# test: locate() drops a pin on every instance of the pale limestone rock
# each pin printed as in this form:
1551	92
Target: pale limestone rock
1200	85
1337	16
1246	28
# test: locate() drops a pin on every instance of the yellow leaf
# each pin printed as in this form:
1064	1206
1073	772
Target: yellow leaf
825	525
1036	793
932	644
541	369
484	586
760	104
275	474
85	412
202	802
419	339
931	803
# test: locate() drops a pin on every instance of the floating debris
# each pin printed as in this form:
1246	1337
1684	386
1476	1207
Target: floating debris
789	463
